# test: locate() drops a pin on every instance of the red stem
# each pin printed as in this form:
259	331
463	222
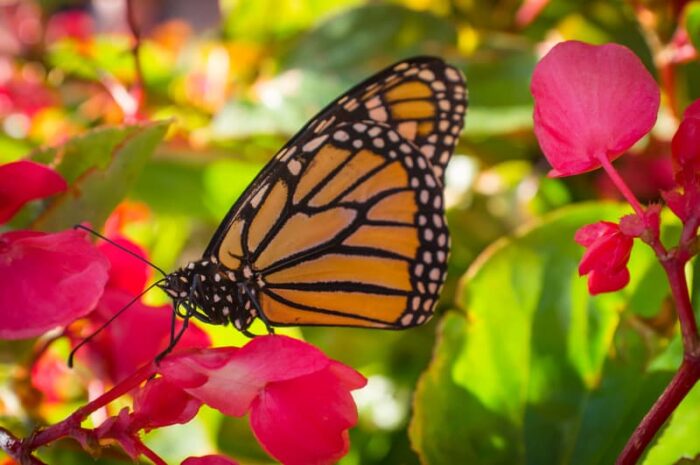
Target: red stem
620	184
675	392
155	458
675	270
71	425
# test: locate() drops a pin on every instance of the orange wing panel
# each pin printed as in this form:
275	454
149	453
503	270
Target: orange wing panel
302	232
364	269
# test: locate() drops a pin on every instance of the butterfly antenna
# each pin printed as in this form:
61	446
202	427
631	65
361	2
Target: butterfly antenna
108	322
130	252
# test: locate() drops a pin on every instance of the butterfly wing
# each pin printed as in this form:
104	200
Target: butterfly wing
350	233
422	98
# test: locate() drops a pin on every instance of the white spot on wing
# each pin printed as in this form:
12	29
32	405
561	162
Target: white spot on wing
313	144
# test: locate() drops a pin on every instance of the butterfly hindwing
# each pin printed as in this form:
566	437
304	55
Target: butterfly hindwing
350	233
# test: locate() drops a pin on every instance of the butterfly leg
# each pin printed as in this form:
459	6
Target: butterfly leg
175	337
256	304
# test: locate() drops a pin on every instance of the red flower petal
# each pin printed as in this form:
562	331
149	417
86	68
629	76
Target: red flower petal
24	180
685	146
590	101
47	280
229	379
136	337
613	280
693	110
161	403
209	460
127	272
304	421
588	234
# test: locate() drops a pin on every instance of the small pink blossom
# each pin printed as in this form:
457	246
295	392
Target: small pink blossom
47	280
24	180
209	460
299	399
606	257
590	102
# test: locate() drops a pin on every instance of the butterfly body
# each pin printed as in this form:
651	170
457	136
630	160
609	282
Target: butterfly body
345	226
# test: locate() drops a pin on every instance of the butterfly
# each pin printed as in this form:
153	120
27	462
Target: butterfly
345	226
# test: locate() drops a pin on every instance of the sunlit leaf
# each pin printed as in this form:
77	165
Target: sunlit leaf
100	167
536	360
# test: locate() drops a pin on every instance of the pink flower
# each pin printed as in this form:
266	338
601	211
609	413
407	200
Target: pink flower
24	180
47	280
605	261
590	102
209	460
299	399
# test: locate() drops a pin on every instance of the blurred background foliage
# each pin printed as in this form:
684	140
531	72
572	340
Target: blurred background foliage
520	365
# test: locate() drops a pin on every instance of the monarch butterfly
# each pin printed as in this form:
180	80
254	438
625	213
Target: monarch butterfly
345	225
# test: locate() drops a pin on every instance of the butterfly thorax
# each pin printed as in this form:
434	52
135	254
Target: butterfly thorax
212	293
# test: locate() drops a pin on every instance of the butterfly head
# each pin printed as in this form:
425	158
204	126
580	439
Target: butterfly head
210	293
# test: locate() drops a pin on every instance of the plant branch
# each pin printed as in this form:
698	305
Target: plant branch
675	392
675	270
71	425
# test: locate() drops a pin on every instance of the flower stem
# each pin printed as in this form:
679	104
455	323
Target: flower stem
675	392
675	270
620	184
155	458
71	425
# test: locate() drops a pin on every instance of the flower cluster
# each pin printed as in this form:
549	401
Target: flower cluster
298	400
592	103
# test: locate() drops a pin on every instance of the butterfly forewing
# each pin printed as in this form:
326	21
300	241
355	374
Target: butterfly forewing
345	225
423	98
351	233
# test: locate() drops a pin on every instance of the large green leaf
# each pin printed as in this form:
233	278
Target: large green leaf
537	371
100	167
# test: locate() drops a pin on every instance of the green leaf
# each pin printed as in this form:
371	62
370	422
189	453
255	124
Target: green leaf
692	22
537	371
100	167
